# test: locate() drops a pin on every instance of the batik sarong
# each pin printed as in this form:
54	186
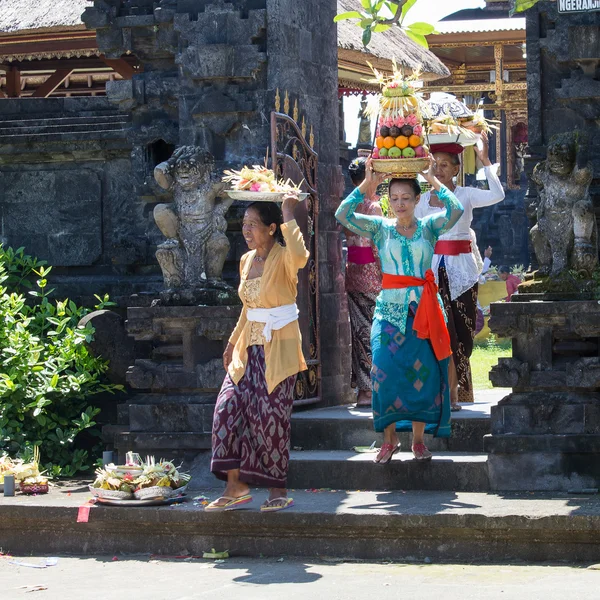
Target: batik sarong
361	307
462	319
409	384
251	428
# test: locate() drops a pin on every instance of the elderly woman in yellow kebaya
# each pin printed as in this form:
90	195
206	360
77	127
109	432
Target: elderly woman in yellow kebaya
251	428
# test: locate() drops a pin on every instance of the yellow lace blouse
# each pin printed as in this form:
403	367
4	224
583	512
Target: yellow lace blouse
252	297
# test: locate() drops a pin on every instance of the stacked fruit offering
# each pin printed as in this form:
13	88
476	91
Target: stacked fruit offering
399	137
399	143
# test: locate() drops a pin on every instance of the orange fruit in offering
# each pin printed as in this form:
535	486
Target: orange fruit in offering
379	142
414	141
402	142
388	142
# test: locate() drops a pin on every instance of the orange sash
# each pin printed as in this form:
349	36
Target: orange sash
429	320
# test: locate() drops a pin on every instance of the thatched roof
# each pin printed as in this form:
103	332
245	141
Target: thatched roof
393	43
26	15
46	15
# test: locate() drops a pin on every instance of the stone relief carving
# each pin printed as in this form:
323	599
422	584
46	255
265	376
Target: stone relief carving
194	224
565	235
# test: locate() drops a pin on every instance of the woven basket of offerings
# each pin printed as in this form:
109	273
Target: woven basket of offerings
259	184
400	149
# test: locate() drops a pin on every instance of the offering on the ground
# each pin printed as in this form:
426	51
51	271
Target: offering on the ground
400	147
27	474
149	480
259	184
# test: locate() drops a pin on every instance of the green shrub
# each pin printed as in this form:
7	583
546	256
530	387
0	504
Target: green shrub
47	374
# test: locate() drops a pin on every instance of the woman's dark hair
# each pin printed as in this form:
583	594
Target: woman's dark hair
504	269
269	213
414	184
357	170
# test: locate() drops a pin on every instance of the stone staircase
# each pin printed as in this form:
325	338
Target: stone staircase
323	442
323	455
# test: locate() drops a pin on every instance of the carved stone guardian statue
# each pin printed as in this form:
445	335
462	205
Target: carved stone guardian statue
194	253
565	237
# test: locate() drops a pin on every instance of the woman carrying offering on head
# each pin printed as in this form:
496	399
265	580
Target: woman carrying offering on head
457	263
251	426
363	283
410	343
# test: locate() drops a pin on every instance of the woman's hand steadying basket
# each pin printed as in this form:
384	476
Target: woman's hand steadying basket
429	175
372	179
290	201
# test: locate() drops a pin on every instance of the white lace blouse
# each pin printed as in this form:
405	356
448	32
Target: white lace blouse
463	270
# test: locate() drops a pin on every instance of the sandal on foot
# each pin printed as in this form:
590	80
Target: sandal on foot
277	504
231	504
385	454
455	407
421	452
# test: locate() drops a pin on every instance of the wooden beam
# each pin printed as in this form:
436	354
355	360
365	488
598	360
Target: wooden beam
51	83
13	82
122	67
498	63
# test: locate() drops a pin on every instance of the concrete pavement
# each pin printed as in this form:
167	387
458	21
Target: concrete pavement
152	578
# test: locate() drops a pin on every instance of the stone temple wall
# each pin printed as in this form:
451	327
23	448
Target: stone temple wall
211	71
68	195
563	87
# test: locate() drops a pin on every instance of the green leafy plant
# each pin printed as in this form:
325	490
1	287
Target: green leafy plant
517	6
47	374
379	15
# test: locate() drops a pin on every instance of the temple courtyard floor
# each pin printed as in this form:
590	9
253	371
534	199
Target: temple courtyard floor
410	522
154	578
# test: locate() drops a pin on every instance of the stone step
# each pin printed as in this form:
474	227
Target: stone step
341	470
49	120
90	134
57	129
343	427
400	526
161	443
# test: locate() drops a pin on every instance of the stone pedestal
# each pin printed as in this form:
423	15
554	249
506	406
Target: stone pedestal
177	381
546	434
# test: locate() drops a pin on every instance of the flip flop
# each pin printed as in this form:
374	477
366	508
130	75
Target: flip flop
232	503
388	448
270	506
455	407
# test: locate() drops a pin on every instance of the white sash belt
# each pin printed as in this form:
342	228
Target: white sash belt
273	318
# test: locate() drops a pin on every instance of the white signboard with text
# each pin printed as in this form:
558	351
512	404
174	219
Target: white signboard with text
578	6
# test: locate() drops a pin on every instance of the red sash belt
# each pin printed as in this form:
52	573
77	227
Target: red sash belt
361	255
429	319
452	247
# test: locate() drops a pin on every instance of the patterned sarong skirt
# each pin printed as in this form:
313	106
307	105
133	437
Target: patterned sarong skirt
361	307
251	428
462	321
409	384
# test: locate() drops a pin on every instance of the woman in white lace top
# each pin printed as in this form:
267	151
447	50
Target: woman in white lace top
457	262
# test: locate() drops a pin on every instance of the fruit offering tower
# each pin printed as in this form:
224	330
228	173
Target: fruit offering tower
400	147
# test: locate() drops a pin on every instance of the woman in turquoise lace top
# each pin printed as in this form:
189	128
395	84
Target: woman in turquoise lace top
409	379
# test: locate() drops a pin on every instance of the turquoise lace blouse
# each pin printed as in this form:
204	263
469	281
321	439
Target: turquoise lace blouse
400	255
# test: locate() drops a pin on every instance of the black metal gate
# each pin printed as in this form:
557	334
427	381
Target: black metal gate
293	158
